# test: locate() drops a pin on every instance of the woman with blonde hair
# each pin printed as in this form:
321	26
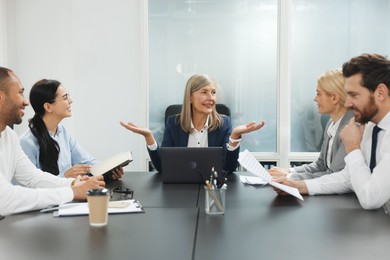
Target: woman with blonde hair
330	100
198	125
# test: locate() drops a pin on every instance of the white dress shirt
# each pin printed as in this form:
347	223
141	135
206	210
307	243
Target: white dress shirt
14	164
199	138
372	189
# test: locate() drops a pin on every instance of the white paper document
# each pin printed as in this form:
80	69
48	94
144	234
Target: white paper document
252	180
114	207
249	162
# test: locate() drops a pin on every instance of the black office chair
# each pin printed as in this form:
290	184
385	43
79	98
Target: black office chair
176	109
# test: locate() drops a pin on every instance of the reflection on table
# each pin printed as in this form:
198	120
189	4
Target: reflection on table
257	224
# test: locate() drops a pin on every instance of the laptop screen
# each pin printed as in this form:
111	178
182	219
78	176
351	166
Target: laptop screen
189	164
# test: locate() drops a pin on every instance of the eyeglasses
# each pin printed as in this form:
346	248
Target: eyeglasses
65	97
125	193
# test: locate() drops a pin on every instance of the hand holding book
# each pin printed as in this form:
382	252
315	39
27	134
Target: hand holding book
113	163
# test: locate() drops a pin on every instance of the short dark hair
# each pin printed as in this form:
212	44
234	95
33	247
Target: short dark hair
4	78
374	68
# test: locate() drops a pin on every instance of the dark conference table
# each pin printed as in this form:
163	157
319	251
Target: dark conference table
257	224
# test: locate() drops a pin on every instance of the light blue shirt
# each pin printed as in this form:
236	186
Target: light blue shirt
71	152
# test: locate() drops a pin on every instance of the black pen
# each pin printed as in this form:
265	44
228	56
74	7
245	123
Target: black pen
219	182
50	209
55	208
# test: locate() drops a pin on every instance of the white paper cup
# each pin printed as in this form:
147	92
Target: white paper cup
98	207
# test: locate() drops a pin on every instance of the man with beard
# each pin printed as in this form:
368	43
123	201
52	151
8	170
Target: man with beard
37	189
366	138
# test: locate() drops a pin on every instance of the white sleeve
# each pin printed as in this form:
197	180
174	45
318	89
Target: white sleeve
372	189
334	183
30	176
41	189
15	198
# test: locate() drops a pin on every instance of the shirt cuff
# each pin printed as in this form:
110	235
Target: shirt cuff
354	157
68	195
313	186
232	148
152	147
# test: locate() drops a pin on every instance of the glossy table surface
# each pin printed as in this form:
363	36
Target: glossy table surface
257	224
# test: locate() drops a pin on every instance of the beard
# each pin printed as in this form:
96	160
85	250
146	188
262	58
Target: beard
368	112
17	120
13	117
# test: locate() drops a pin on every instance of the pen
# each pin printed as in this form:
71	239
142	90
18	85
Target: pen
50	209
213	193
215	186
213	176
55	208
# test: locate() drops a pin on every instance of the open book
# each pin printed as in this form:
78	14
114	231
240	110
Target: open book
118	160
249	162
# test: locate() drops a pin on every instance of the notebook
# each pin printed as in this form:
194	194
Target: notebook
118	160
189	164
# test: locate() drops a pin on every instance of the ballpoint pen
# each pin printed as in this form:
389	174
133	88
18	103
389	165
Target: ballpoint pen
50	209
213	194
217	184
55	208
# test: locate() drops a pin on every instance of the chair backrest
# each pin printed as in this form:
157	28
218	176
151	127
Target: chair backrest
176	109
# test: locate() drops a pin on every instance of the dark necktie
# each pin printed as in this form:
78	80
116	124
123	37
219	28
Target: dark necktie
373	147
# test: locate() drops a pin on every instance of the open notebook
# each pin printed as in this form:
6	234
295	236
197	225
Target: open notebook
118	160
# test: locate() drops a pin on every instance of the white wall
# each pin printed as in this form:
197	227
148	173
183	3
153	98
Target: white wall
98	50
3	56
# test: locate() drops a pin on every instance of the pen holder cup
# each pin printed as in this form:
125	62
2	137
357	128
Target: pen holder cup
215	200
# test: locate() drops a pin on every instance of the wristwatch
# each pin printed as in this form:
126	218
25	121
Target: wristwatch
234	140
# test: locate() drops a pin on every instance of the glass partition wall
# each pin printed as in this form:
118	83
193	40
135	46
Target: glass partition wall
265	56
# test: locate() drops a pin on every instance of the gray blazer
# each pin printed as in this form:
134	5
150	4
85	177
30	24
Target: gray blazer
319	168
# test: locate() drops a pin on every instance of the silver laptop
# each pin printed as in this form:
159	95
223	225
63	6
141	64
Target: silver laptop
190	164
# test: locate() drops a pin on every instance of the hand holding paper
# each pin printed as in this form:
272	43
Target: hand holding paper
249	162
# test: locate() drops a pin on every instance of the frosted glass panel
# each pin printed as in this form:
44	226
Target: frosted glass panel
325	34
235	42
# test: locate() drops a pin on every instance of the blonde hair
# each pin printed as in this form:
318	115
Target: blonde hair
194	83
331	82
